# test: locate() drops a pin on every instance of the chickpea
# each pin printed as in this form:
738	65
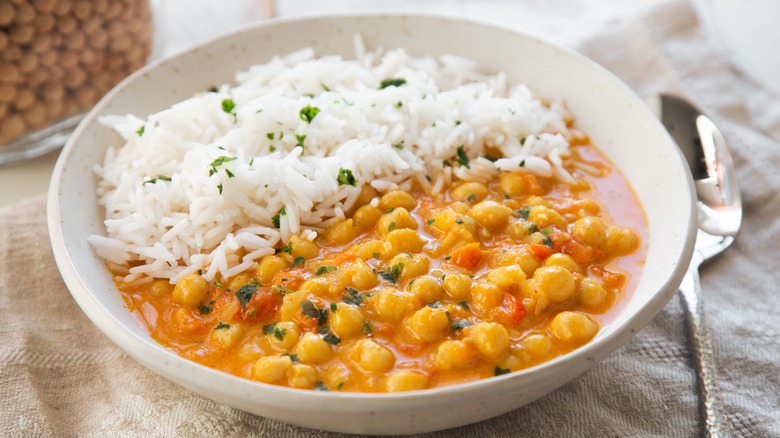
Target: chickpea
563	260
591	292
368	250
372	356
284	335
303	248
555	283
367	193
395	219
457	286
573	327
393	305
347	320
230	309
227	337
490	214
291	304
302	376
336	376
428	324
467	189
340	233
620	241
545	217
360	275
518	229
396	199
161	288
486	296
538	346
412	265
312	349
426	289
451	355
185	323
318	286
490	339
271	369
506	277
366	216
444	219
513	184
591	231
406	380
238	282
404	240
191	290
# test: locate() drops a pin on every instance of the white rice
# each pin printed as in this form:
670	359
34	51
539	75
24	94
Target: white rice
388	138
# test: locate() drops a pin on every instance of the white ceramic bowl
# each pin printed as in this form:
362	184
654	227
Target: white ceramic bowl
616	119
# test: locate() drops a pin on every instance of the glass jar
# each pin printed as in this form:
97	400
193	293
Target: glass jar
57	58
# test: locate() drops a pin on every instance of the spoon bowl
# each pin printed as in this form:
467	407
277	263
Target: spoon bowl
719	206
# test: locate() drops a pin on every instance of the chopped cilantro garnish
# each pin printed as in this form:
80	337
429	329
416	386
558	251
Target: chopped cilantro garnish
548	242
299	139
325	269
332	339
271	148
463	323
270	135
459	221
228	105
367	329
399	145
269	328
392	82
222	326
293	357
430	221
547	230
276	219
229	173
524	212
333	307
212	89
220	187
200	271
392	226
309	309
308	113
393	273
324	87
353	297
141	130
244	294
218	284
399	104
298	261
522	163
204	309
345	177
471	198
159	178
532	228
376	255
218	162
463	159
463	304
435	305
321	386
279	334
287	248
499	371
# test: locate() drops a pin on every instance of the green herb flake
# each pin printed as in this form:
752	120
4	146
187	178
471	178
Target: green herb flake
392	226
222	326
392	82
321	386
499	371
287	248
293	357
446	163
299	139
269	329
459	221
463	304
308	113
522	163
141	130
463	323
204	309
393	273
546	231
345	177
213	89
352	297
548	242
367	329
228	105
324	87
324	270
332	339
270	135
399	104
218	162
524	212
430	221
463	159
376	255
271	148
229	173
245	293
219	285
298	261
399	145
200	271
279	334
309	309
159	178
435	305
532	228
471	198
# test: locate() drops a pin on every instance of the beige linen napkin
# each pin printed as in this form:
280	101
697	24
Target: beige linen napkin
59	376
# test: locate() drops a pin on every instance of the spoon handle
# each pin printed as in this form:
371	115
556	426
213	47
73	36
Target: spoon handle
713	411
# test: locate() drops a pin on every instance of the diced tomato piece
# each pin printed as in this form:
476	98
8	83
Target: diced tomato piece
467	256
262	305
516	308
542	251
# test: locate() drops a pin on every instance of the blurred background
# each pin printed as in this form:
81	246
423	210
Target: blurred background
57	57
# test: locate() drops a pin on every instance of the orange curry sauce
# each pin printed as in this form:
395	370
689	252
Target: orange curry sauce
344	314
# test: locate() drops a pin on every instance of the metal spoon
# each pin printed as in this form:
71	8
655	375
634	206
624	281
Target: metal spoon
720	216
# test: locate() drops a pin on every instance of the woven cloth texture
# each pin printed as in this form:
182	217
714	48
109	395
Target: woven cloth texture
59	376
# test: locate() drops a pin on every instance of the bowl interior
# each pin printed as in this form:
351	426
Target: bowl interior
614	117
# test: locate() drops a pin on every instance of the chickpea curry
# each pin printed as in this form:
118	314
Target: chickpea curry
417	291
